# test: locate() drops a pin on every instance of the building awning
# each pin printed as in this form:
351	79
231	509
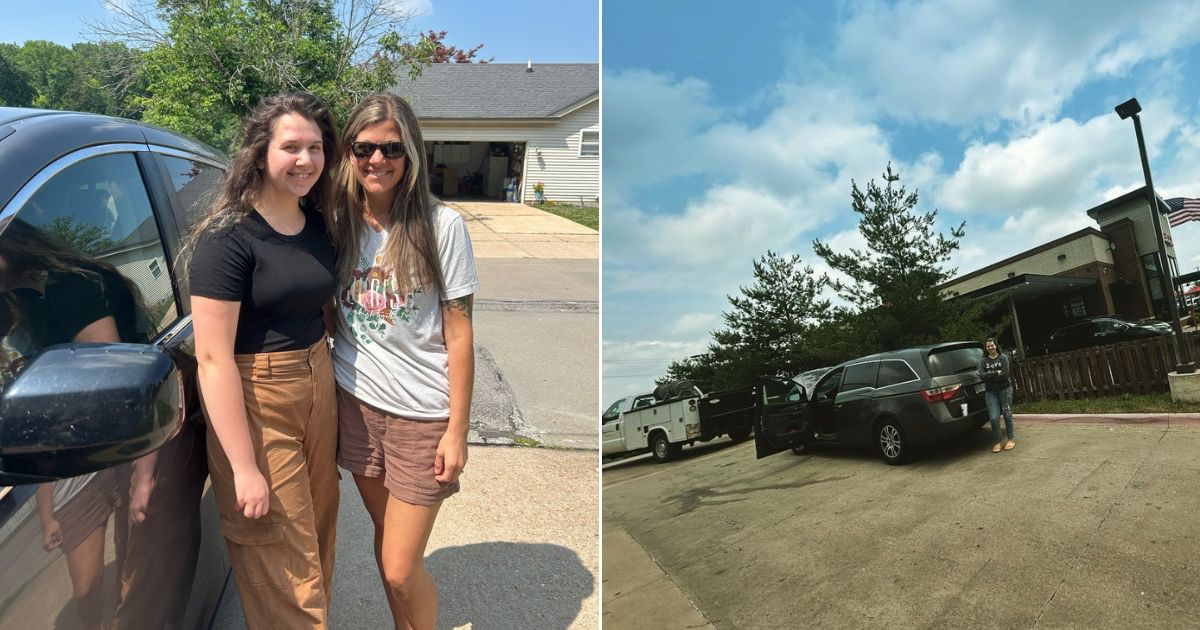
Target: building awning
1028	286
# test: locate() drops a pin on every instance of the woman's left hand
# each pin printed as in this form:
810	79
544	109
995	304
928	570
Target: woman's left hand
451	457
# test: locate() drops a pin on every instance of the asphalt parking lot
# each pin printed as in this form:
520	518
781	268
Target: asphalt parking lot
1082	525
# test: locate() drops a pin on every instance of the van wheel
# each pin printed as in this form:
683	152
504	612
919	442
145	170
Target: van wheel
890	440
800	450
662	449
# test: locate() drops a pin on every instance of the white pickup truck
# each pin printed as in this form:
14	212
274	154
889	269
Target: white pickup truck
635	424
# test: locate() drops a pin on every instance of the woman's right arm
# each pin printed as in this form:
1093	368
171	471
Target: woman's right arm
215	325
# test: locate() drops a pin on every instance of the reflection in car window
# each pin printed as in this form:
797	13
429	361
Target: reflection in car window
85	246
195	184
894	372
860	375
611	413
775	392
954	360
828	386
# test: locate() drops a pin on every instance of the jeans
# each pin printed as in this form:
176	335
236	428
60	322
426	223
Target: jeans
997	403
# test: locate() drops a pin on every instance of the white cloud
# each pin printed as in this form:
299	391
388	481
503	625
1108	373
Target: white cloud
1062	166
961	62
696	324
651	124
631	367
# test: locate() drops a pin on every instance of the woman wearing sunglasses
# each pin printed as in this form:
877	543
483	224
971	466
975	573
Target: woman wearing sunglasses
403	355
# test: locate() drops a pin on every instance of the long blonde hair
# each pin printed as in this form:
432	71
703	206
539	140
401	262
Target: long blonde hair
411	249
244	180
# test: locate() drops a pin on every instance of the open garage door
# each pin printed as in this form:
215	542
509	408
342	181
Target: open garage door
476	170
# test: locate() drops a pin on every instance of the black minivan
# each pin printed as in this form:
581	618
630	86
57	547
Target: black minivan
106	516
891	401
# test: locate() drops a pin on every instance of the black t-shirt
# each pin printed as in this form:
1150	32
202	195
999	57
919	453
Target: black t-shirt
73	300
282	281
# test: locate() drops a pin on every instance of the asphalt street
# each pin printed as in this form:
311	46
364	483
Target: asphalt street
1083	525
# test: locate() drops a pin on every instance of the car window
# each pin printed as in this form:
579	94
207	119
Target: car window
196	185
643	401
776	392
860	375
828	385
954	360
612	412
894	372
83	249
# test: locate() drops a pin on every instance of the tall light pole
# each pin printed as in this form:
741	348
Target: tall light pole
1130	109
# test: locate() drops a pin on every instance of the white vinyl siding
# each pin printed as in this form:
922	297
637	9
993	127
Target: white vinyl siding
551	154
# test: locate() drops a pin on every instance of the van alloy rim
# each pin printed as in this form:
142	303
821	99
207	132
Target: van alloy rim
660	448
889	440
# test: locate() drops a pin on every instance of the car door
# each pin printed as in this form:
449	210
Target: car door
91	239
782	419
853	408
824	399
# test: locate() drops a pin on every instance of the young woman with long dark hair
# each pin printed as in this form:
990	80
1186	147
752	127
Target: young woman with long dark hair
261	272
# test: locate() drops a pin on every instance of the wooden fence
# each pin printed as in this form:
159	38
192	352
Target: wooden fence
1130	367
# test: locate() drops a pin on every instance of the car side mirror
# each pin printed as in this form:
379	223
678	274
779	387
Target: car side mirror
78	408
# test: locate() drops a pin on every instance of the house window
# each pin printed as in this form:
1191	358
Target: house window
155	269
589	143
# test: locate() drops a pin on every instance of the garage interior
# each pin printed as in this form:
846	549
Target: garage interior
475	170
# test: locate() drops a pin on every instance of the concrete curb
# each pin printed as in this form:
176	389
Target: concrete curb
1127	419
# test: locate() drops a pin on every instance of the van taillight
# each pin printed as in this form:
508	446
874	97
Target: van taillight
940	394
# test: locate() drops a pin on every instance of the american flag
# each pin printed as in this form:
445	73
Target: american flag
1183	210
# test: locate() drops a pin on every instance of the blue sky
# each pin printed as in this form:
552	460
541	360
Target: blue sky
545	31
731	130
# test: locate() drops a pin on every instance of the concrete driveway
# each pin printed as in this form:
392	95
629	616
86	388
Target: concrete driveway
1085	526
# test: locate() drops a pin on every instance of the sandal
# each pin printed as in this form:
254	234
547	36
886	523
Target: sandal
1010	445
996	448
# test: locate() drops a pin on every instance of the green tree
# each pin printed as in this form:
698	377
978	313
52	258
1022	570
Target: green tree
15	90
207	63
79	78
893	287
81	237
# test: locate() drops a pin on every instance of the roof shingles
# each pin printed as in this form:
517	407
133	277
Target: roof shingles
497	90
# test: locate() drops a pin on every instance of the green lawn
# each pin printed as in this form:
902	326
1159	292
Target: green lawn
582	215
1126	403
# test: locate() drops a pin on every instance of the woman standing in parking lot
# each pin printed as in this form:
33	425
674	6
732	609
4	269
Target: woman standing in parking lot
261	273
404	358
998	393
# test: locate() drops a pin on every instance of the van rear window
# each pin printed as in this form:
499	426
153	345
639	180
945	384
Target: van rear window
954	360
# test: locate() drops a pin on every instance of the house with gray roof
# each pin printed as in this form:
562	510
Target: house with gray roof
495	126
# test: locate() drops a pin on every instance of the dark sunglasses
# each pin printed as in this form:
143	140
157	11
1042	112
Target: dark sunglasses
391	150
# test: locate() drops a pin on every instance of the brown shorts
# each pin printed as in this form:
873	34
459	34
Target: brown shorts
374	443
89	509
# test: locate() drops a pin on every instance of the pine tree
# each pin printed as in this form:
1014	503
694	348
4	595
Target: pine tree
893	286
768	329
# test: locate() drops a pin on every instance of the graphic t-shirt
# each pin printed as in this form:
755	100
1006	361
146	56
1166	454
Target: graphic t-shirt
994	372
389	350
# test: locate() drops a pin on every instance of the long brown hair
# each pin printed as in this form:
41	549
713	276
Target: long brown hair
244	180
411	248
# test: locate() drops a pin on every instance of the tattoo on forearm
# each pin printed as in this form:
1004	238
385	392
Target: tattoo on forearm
466	304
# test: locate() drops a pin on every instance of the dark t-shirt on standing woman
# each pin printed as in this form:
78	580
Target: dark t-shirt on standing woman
282	281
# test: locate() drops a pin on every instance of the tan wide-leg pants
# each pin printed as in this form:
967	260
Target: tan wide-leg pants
284	561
